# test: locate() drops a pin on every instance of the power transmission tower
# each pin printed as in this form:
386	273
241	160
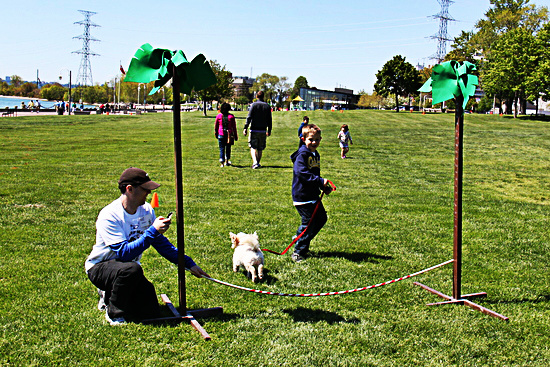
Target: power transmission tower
441	36
85	69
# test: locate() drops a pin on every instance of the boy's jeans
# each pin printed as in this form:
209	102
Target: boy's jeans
301	247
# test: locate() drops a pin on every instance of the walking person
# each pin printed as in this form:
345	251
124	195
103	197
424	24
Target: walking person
305	121
307	184
260	121
344	139
225	131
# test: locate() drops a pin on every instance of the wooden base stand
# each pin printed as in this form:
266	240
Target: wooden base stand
463	300
189	316
457	297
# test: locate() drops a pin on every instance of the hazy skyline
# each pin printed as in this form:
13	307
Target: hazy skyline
331	44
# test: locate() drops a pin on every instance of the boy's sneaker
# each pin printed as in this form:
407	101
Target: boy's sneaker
101	305
115	321
297	257
228	163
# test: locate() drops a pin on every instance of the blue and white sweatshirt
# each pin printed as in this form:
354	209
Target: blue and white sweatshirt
125	237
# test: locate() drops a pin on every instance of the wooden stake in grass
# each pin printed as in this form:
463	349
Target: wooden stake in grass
160	66
454	80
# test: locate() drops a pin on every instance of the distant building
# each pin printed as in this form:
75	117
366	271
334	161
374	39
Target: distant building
242	86
315	99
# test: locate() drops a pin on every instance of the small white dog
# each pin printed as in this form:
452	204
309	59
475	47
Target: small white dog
248	254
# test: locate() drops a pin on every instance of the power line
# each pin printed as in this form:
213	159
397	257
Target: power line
442	36
85	69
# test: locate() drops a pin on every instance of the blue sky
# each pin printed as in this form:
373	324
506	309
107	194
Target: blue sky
331	43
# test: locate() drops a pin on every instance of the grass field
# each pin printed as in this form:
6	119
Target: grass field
391	216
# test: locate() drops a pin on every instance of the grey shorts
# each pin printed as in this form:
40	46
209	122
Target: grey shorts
257	140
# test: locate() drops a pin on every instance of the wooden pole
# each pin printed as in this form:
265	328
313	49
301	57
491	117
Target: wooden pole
459	145
178	162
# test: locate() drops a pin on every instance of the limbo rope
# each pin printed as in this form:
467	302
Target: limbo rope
330	293
305	229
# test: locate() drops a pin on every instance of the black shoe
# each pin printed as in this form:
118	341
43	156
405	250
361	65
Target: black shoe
297	258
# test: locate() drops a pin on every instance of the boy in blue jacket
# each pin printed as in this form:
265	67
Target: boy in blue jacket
307	184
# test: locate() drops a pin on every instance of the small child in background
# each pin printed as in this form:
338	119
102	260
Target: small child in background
344	138
305	121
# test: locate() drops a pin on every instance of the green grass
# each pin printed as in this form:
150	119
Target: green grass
391	216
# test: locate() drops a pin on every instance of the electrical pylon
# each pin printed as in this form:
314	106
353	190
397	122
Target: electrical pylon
442	36
85	69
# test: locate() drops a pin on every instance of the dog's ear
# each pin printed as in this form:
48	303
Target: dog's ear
255	235
234	239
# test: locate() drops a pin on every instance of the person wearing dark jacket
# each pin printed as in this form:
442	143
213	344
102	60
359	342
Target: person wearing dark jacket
307	184
260	121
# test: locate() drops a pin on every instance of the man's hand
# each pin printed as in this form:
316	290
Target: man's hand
245	131
162	224
198	272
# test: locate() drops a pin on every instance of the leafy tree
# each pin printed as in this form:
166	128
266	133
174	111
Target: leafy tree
301	82
397	77
462	49
541	77
96	94
371	101
52	92
504	16
16	80
267	83
241	101
485	104
222	90
4	88
282	88
510	65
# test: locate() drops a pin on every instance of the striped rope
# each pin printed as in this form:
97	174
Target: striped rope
330	293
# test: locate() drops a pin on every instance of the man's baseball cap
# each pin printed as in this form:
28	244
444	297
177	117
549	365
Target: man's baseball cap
137	177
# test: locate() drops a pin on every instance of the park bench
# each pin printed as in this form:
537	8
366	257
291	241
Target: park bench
432	110
8	113
81	112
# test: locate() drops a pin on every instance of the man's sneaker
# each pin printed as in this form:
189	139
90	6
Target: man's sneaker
297	257
115	321
255	166
101	305
228	163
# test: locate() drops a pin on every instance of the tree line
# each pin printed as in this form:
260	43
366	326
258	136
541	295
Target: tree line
511	49
277	89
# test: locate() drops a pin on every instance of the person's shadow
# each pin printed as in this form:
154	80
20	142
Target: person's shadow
543	298
357	257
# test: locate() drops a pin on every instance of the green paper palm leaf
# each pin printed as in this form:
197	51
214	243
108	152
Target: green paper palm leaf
155	64
451	79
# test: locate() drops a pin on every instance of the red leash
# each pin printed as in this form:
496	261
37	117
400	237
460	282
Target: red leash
304	231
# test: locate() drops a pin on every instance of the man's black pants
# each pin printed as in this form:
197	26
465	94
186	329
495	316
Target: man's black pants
128	293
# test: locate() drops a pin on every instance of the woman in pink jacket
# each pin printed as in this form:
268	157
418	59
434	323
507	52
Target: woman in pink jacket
226	133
